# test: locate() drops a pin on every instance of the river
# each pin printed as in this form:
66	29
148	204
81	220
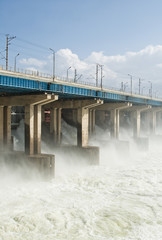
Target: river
121	199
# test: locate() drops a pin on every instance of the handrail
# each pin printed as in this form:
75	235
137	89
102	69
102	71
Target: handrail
58	78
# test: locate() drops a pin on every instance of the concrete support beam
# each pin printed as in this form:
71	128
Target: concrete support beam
26	99
82	107
83	120
113	123
43	115
152	118
1	127
111	106
117	122
55	125
75	104
29	129
115	118
33	120
82	127
91	121
136	118
7	126
37	129
152	124
136	123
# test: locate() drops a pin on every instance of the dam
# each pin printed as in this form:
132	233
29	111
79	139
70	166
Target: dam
81	105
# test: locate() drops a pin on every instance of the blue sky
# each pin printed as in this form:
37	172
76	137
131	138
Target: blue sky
112	26
109	28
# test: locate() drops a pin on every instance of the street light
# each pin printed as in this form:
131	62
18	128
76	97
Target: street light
130	82
15	61
67	73
53	52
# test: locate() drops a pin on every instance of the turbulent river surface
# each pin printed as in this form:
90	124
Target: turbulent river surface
120	199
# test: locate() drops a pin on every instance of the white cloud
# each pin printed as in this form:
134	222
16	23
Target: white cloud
32	62
145	64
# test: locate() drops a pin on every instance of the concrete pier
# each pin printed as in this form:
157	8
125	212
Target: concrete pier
91	121
82	108
114	109
55	125
33	120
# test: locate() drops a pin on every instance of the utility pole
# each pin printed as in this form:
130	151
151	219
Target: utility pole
8	40
53	52
97	74
140	80
122	88
101	66
150	90
130	83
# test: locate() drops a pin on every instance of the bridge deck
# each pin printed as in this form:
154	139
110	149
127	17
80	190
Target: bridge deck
12	83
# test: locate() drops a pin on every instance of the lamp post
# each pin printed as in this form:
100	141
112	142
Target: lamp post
53	52
67	76
15	61
130	82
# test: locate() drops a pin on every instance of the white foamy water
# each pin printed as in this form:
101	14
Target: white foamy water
121	199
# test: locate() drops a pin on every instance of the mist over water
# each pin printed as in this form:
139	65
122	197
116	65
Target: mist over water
120	199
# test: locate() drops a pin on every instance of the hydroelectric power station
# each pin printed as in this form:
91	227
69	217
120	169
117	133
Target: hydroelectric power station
79	104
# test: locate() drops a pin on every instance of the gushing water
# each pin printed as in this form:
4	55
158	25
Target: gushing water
121	199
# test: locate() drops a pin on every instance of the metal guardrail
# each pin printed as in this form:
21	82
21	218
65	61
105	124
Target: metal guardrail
64	79
44	75
26	71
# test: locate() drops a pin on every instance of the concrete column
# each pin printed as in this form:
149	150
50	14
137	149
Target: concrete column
29	129
42	115
55	124
158	119
59	125
136	123
113	123
82	127
1	127
152	122
7	126
37	129
91	121
117	123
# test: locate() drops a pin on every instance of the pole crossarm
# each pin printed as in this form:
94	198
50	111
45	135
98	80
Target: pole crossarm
27	100
111	106
74	104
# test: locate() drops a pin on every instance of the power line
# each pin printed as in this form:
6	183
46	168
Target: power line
33	44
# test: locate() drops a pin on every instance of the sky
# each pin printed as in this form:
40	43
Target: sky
122	35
